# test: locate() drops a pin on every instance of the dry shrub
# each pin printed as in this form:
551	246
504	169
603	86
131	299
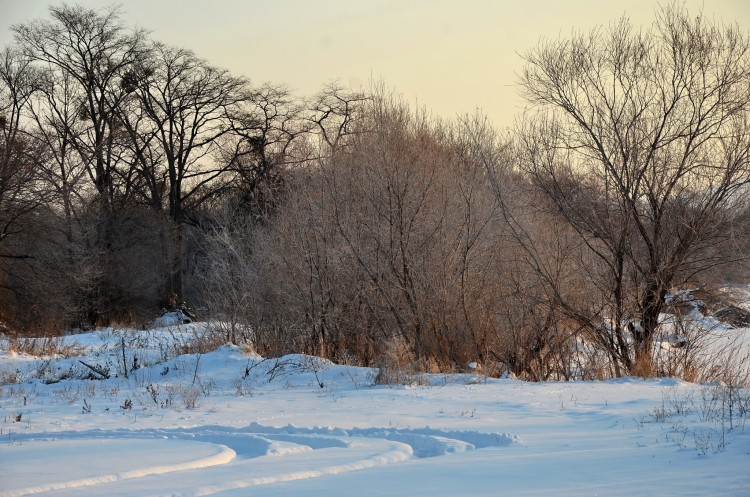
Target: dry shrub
590	363
47	327
691	374
8	378
494	369
433	366
247	348
707	354
643	367
344	268
397	365
732	369
201	343
278	339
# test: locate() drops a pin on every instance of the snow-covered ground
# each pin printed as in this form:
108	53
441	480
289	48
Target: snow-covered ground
229	423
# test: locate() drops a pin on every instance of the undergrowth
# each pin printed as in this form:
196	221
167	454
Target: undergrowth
724	407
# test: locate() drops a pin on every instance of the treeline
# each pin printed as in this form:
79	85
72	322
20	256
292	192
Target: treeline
116	150
135	176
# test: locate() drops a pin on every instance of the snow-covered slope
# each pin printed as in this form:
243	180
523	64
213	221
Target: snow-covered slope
227	423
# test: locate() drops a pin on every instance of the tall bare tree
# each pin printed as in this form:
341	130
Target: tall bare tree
86	53
641	141
19	194
94	51
189	104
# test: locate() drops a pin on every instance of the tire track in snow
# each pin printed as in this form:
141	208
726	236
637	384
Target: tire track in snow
221	455
262	455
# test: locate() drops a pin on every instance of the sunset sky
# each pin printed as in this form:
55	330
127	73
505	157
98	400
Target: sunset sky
449	56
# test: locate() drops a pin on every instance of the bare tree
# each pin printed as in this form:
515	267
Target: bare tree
145	177
188	103
85	54
337	113
19	194
267	139
641	141
230	277
93	50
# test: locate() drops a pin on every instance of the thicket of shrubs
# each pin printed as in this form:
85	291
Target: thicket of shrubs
137	177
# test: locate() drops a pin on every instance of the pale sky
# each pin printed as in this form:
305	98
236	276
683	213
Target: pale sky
450	56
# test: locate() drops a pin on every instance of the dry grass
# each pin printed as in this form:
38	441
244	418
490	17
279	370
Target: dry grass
398	365
44	347
643	367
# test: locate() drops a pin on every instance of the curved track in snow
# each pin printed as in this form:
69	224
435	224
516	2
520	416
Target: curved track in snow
213	459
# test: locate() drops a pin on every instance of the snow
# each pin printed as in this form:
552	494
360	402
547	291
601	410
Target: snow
226	423
172	318
86	462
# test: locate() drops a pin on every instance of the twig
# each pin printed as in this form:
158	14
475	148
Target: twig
96	369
